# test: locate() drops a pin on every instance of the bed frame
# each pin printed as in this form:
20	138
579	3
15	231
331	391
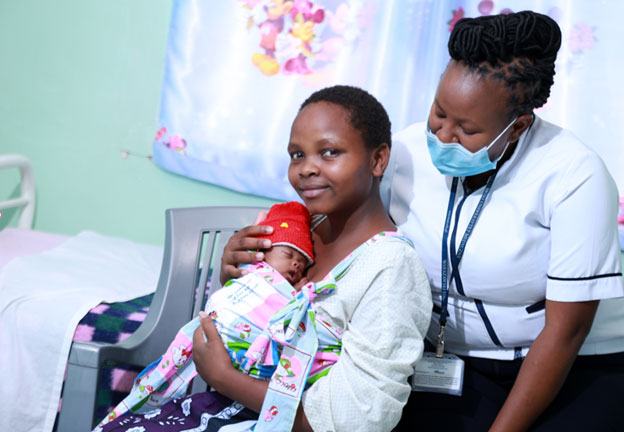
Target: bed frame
25	202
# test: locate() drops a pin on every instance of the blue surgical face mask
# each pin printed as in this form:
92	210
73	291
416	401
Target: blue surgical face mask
452	159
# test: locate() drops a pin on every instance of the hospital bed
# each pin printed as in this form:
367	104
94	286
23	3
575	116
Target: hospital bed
194	240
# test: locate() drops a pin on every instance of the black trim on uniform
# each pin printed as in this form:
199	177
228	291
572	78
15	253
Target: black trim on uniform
536	307
606	275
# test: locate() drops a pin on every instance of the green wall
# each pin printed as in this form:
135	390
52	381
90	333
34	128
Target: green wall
80	81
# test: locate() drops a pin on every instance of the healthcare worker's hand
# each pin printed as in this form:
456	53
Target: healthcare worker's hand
243	248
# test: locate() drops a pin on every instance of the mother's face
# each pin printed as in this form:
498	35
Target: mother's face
471	110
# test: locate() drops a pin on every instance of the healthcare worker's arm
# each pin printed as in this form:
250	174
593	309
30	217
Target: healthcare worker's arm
547	364
583	268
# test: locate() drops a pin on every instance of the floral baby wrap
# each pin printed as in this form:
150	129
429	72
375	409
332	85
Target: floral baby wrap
260	317
270	330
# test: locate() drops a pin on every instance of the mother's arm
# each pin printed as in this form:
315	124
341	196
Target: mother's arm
547	364
215	367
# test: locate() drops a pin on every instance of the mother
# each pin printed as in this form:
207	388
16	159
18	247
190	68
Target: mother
521	218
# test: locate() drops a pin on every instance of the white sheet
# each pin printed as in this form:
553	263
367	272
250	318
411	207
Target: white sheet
42	299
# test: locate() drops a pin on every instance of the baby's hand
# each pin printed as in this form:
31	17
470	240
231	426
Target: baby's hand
304	280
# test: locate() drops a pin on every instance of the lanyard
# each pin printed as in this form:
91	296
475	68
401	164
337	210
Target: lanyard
459	253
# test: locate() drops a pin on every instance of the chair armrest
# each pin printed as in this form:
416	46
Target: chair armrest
187	261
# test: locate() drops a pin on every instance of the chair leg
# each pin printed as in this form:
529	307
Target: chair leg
78	405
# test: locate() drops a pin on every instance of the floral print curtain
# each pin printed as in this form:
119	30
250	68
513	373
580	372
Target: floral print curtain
237	70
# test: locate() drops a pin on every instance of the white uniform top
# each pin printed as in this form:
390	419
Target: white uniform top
547	231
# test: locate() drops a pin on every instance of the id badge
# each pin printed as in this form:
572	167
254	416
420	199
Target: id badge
439	375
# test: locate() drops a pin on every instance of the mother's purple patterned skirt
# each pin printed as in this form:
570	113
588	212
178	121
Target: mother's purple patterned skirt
208	411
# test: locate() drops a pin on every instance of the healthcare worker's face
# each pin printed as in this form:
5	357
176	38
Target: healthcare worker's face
472	110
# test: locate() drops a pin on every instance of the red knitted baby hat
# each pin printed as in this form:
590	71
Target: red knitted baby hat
291	227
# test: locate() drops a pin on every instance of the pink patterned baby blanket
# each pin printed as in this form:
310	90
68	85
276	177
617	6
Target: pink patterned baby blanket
241	311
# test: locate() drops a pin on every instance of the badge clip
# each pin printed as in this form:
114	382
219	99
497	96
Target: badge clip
440	345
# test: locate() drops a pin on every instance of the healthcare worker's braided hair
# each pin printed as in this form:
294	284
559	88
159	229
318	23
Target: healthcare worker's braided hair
518	48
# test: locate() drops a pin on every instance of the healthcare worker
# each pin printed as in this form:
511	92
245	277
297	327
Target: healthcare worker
514	220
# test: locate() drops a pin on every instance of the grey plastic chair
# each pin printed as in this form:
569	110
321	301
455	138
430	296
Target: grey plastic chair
194	242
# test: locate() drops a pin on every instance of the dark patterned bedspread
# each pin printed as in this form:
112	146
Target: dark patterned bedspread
112	323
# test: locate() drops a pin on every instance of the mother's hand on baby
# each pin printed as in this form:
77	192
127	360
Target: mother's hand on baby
211	359
243	248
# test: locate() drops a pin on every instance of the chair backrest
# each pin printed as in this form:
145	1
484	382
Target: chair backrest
25	202
194	242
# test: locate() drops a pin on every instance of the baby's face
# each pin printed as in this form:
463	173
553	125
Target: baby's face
289	262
